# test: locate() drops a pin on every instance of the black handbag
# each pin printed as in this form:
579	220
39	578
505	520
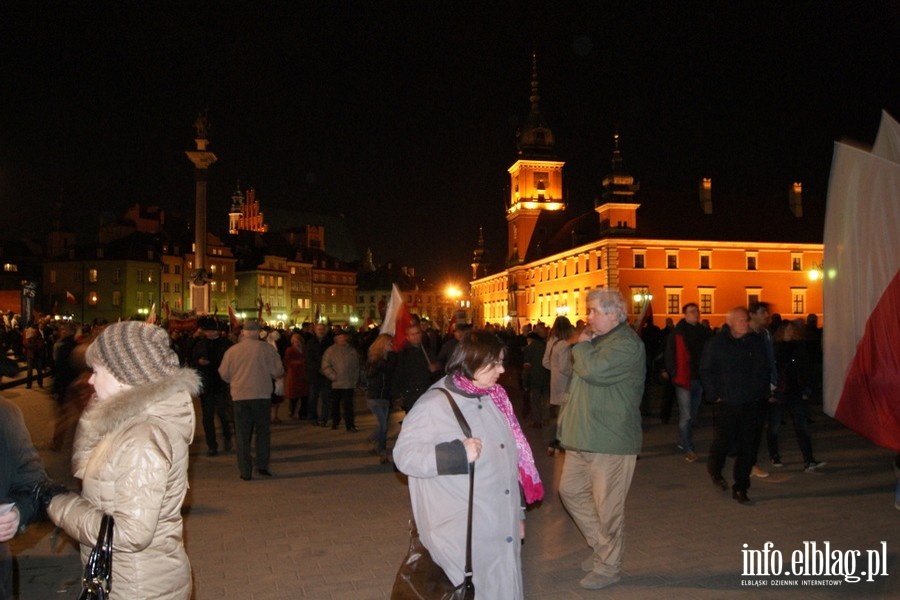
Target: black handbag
96	582
419	577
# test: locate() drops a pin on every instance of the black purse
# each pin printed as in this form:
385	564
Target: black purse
96	582
419	577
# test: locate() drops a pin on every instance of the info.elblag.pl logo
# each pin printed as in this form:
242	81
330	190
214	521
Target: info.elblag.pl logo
813	564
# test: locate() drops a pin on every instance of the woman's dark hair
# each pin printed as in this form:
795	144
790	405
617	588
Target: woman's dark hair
562	328
475	350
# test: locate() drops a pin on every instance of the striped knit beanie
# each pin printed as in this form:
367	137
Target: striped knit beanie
134	352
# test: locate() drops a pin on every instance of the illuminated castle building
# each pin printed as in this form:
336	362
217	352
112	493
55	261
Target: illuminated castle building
668	249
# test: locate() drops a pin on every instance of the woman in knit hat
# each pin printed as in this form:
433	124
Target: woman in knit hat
131	453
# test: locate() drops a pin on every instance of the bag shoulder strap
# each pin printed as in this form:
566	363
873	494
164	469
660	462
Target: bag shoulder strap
467	431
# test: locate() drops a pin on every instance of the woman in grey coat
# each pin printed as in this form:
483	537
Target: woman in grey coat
432	451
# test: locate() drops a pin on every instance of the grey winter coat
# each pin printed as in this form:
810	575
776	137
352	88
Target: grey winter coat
430	451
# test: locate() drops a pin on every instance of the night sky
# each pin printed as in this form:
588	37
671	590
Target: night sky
402	115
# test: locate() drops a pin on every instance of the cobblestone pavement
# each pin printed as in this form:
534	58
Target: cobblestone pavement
332	523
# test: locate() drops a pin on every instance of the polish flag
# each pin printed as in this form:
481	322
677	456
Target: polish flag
861	288
396	319
70	298
232	318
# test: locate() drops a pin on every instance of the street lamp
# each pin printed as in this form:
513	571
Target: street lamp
815	272
453	292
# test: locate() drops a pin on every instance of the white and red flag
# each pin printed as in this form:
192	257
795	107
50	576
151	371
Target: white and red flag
232	318
70	298
396	319
861	286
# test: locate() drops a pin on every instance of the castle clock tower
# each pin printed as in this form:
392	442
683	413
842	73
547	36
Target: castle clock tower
535	178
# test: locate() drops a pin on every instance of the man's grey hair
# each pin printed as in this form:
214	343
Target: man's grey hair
610	302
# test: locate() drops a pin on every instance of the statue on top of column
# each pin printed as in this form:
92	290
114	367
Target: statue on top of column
201	126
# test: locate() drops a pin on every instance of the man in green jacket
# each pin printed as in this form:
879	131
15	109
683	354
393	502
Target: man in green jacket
600	428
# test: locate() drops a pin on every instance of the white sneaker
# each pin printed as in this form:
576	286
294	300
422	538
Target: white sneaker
757	472
813	466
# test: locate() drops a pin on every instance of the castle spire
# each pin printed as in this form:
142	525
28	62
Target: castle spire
534	139
479	257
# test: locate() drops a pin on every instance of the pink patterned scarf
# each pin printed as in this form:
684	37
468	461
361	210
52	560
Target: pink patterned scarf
528	474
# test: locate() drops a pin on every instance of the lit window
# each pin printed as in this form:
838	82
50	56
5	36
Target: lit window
798	301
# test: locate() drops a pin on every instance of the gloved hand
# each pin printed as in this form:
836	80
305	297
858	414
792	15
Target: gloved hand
43	493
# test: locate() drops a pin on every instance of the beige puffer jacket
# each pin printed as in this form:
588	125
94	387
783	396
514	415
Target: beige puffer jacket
131	453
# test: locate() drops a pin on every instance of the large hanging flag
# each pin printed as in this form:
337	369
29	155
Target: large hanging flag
861	334
396	319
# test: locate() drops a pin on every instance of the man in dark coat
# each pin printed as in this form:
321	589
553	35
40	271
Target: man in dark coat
206	356
735	372
21	471
414	369
319	385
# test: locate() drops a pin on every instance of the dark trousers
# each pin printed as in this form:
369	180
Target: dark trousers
342	398
35	363
212	404
737	427
796	405
252	416
319	402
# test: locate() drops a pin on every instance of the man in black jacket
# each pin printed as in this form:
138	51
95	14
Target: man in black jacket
735	370
415	367
206	356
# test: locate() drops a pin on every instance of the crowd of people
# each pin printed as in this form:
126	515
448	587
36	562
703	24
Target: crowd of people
125	395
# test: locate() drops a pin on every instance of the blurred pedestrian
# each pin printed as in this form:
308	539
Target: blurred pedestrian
684	347
735	371
206	357
296	376
131	454
558	359
250	367
340	364
379	369
21	472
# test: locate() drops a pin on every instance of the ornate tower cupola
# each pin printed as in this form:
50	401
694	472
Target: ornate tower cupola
535	178
616	205
480	264
237	209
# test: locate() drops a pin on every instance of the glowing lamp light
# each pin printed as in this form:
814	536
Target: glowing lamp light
815	272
